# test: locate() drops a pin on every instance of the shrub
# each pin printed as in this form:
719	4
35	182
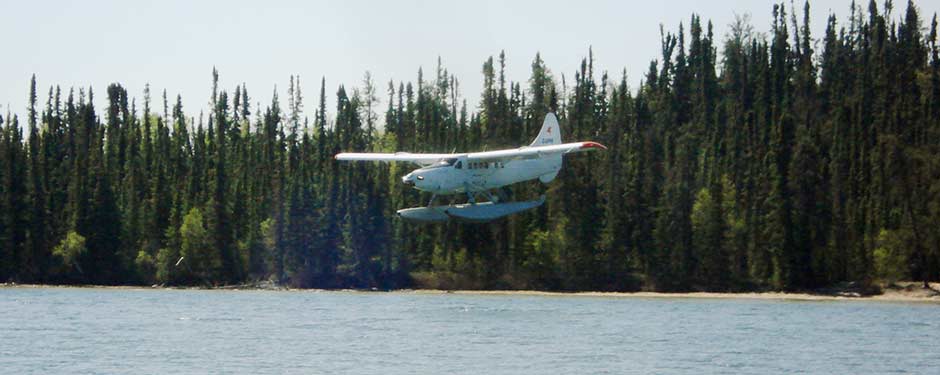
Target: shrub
890	255
68	252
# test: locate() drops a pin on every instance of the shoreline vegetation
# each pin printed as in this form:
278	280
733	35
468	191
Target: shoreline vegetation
894	292
777	161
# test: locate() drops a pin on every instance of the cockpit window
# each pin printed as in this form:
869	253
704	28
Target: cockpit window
459	165
443	163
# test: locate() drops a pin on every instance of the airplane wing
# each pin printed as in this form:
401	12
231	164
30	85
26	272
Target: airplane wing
535	152
529	152
420	159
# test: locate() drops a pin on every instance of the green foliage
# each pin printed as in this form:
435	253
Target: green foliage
201	260
788	165
891	255
146	267
541	256
67	254
167	268
269	241
735	237
709	231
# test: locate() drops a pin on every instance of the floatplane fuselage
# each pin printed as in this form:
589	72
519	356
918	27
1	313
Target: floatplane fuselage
479	173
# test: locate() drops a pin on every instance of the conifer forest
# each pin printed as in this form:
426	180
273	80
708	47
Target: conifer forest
775	160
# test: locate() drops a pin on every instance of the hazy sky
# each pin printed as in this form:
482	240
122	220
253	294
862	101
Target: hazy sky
173	45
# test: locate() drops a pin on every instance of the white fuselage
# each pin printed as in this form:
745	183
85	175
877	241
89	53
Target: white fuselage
459	175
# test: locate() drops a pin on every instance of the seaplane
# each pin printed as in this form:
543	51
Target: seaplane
477	173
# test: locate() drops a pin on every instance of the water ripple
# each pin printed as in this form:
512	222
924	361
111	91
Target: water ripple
51	330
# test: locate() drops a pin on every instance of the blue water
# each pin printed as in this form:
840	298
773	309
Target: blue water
65	330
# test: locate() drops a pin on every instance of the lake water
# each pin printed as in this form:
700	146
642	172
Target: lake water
65	330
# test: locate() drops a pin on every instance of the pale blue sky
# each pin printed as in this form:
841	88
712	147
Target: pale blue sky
174	44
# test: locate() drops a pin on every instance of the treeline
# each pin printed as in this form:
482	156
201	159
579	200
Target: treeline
773	161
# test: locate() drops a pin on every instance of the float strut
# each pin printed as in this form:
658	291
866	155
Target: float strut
490	196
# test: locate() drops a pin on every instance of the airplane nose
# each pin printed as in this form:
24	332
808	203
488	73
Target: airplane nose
408	180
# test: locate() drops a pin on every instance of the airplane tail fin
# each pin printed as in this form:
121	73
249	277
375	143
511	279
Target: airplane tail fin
550	134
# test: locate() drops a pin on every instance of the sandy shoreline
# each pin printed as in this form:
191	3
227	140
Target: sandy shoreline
888	296
907	292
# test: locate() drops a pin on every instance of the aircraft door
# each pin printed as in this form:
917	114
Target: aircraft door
479	171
